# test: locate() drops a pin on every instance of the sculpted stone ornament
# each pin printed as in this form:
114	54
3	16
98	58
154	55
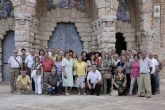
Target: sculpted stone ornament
7	9
31	1
123	12
79	4
100	3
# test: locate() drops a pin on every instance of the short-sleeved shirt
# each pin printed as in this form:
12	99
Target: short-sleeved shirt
23	57
14	63
145	65
29	60
24	81
81	68
154	64
47	65
93	77
58	67
120	64
135	69
53	79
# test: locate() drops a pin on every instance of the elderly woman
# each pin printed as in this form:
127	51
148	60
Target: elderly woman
119	81
67	72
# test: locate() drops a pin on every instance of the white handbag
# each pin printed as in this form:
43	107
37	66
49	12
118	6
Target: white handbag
114	93
33	73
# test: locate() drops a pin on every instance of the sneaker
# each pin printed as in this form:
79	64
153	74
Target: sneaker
148	97
130	94
67	94
158	92
140	95
154	93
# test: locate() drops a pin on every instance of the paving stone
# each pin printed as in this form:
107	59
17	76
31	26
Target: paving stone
74	102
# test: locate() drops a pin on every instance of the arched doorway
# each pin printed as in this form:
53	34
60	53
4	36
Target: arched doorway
66	37
120	43
8	44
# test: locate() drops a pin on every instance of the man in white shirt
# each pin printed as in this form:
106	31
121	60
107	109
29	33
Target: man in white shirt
94	81
15	63
29	62
153	73
145	80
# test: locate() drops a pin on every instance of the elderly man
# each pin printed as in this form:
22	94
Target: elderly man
53	83
145	71
153	73
15	62
157	71
94	81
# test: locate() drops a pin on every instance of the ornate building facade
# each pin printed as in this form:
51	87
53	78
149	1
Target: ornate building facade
82	25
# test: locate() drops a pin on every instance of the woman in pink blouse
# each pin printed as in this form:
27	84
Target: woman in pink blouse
135	72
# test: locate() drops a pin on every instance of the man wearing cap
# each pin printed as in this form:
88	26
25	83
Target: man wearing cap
94	81
145	71
15	62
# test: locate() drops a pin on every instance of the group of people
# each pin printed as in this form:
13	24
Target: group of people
52	71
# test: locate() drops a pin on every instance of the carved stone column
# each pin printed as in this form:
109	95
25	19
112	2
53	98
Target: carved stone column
25	23
145	26
106	24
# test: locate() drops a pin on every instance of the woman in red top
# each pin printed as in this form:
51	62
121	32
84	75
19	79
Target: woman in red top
135	72
97	60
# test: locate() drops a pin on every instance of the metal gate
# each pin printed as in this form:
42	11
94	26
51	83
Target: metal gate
8	45
66	37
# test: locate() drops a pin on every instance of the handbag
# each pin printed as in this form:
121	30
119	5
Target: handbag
114	93
33	73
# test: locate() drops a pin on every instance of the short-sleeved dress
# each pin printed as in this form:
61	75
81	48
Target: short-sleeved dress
68	64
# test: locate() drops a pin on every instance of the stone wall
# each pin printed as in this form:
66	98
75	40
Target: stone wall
104	26
97	26
5	25
128	33
49	22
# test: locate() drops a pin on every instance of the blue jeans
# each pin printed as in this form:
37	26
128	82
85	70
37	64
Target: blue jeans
54	90
157	82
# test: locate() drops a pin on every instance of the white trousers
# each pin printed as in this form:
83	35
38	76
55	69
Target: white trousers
132	84
38	86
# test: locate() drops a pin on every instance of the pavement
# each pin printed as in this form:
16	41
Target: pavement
74	102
